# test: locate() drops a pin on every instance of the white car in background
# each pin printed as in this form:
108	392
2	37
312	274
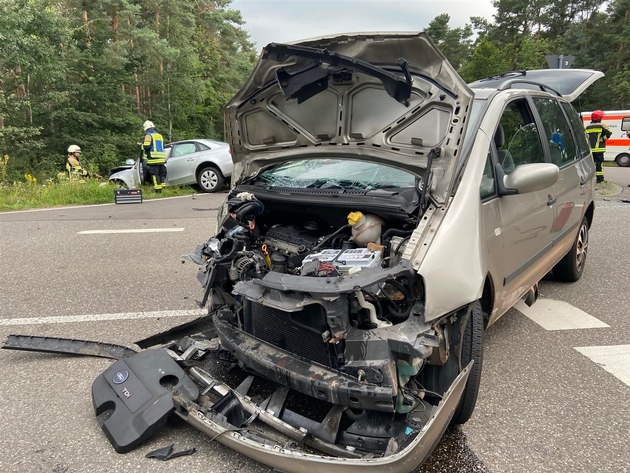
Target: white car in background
206	163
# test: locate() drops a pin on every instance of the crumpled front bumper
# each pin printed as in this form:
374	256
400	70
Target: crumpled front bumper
297	461
133	397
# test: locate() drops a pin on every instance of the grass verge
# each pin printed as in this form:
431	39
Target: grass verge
31	195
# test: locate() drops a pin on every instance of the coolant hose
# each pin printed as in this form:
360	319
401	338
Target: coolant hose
371	309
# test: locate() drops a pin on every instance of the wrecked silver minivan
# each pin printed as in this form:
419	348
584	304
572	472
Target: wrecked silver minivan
363	247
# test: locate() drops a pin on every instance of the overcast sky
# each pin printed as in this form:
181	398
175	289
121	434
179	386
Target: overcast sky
289	20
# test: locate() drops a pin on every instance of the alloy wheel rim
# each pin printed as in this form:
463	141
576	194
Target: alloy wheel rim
582	247
209	180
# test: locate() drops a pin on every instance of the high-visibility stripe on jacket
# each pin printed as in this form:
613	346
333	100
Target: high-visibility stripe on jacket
75	169
154	148
598	133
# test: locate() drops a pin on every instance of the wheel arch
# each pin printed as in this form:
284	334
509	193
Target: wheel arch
487	299
590	211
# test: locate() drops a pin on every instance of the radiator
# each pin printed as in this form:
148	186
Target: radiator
297	332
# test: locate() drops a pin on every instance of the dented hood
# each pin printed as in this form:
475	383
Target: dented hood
391	97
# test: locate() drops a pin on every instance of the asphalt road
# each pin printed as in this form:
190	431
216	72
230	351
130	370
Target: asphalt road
543	406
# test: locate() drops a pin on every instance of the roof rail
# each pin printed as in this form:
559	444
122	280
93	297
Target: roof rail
509	83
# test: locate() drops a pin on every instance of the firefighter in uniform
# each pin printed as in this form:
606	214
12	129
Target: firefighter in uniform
598	133
73	165
153	147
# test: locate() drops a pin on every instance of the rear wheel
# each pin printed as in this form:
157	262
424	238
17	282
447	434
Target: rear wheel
210	179
623	160
471	349
571	266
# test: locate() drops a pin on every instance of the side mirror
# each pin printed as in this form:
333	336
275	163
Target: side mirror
528	178
130	161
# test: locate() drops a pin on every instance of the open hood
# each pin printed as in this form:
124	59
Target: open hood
390	97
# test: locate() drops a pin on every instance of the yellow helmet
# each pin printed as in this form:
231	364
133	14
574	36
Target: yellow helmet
148	125
73	149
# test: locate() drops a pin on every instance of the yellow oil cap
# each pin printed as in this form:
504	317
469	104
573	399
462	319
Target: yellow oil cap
354	218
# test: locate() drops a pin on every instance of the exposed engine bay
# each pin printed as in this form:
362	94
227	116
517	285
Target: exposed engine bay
258	241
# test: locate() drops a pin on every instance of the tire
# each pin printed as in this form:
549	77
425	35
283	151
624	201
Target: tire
210	179
623	160
571	266
471	349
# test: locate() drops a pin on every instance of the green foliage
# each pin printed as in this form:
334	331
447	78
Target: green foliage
596	32
487	60
90	73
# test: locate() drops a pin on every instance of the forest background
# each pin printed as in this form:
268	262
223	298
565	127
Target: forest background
89	72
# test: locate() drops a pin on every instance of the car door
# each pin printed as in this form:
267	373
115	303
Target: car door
517	228
182	162
568	149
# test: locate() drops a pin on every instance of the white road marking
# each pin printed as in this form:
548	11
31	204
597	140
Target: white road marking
100	317
615	359
558	315
131	230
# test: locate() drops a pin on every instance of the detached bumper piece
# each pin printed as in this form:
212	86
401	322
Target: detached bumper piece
132	398
68	346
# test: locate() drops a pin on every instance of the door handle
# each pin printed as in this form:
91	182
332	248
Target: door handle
551	200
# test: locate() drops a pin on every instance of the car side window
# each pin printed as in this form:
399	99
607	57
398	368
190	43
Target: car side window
578	129
517	138
557	130
183	148
202	147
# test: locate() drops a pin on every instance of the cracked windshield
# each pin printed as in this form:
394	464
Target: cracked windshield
336	174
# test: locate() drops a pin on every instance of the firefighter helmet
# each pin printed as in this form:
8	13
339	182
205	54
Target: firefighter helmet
597	115
73	149
148	125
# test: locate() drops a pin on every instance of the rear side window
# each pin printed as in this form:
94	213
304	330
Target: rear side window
183	148
578	130
557	130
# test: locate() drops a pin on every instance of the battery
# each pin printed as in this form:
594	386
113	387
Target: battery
343	260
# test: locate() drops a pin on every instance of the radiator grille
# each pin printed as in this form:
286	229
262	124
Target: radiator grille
296	332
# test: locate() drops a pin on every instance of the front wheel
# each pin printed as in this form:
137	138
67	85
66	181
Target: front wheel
623	160
471	349
571	266
210	179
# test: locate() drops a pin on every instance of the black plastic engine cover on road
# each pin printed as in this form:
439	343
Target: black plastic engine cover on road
132	398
